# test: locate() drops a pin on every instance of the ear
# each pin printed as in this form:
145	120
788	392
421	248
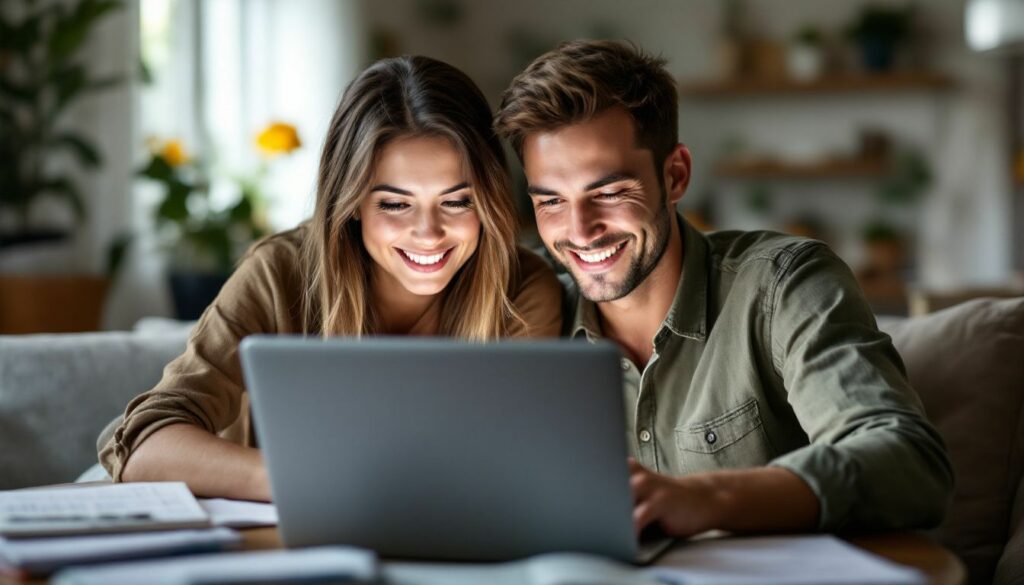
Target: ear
676	173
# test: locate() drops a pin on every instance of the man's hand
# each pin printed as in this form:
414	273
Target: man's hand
681	506
761	499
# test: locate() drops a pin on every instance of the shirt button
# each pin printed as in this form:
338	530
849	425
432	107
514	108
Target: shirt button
645	436
711	437
625	365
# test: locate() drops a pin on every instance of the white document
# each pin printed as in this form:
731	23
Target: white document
239	513
107	508
781	560
318	565
41	556
547	569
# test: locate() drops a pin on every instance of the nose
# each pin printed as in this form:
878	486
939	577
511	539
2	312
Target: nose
429	227
585	223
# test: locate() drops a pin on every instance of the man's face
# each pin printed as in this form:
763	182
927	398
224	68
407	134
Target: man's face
600	203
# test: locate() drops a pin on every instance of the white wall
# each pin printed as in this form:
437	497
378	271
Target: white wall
314	47
965	235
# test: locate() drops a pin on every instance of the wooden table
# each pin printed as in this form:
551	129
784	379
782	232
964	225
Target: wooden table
910	549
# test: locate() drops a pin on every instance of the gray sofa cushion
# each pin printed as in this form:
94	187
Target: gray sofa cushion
967	364
58	391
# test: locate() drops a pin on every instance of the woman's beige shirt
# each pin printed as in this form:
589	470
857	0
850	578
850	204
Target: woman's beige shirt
204	386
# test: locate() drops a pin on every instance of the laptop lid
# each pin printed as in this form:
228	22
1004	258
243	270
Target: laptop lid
434	448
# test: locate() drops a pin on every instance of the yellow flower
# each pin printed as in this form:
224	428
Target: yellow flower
173	151
278	138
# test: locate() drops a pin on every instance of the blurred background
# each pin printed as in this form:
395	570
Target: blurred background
144	144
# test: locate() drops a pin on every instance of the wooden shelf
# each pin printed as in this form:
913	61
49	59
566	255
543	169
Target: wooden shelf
845	83
829	169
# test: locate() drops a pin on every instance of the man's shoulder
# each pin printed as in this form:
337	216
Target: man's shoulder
736	250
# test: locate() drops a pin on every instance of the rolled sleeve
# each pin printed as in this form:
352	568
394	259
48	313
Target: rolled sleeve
874	461
203	387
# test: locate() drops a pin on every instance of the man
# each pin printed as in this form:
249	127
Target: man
760	394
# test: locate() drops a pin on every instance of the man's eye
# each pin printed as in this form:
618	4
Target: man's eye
611	194
459	203
391	205
548	202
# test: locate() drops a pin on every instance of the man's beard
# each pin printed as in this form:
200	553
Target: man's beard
640	266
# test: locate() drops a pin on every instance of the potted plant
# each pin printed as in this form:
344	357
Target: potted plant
42	74
882	273
878	31
805	57
203	240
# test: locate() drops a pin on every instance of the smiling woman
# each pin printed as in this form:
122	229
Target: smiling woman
413	234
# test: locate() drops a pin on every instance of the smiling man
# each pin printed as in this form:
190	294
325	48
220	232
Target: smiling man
760	394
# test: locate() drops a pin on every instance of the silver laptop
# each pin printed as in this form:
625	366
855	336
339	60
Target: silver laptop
439	449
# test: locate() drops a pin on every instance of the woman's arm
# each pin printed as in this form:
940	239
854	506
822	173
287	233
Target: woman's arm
185	427
208	464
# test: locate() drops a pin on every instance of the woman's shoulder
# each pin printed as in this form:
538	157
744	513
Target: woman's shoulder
281	247
268	281
536	295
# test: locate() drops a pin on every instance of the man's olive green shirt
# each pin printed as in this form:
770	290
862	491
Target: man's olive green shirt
770	355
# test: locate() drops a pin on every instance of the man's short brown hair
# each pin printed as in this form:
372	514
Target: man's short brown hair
580	79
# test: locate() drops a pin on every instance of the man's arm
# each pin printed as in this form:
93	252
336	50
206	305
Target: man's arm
765	499
874	460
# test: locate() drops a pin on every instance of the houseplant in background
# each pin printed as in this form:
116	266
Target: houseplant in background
878	31
204	236
42	74
805	56
882	275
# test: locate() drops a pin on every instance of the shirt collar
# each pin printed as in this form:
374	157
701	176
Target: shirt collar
688	314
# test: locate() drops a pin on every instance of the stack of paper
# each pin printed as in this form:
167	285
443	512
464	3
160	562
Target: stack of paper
314	565
781	560
42	556
92	509
45	529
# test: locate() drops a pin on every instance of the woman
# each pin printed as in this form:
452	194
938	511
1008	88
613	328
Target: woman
413	234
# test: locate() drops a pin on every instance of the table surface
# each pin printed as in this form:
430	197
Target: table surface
910	549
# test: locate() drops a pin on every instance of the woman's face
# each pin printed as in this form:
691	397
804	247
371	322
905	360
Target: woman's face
418	220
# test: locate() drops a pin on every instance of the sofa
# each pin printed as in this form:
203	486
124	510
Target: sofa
967	363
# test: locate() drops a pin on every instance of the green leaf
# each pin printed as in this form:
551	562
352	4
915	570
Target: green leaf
67	81
174	207
65	189
86	152
21	38
104	83
71	31
24	93
116	253
158	169
145	73
241	211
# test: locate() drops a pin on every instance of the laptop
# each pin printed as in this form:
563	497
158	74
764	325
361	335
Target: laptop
432	448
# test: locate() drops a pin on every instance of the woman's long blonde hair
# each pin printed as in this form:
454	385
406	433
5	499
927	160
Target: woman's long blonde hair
395	98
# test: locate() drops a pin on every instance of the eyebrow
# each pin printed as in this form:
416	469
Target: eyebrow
612	178
606	180
397	191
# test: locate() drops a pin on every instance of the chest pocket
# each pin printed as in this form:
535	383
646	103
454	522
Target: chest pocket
734	439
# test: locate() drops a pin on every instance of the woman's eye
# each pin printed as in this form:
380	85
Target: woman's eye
391	205
459	203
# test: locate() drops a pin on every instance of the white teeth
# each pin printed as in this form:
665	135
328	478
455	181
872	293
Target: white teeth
424	260
600	256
